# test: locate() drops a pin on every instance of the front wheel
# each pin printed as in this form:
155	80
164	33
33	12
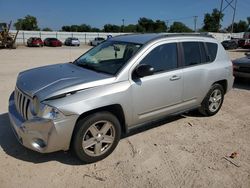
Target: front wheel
213	101
96	136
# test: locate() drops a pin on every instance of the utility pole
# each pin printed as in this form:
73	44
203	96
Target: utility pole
195	23
221	5
167	21
231	4
123	20
232	28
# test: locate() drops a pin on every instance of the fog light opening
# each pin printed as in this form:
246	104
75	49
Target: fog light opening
38	144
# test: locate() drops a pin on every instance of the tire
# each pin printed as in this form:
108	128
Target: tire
99	142
213	101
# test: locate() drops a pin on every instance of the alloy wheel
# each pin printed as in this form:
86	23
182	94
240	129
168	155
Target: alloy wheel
98	138
215	100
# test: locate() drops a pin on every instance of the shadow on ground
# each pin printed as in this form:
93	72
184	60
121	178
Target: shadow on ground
242	83
13	148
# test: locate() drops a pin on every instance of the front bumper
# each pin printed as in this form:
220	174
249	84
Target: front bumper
42	135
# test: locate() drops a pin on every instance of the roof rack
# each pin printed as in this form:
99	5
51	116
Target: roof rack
189	35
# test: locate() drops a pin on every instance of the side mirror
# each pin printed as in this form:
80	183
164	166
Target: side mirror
144	70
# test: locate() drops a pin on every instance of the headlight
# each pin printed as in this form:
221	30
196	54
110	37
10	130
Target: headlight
44	111
49	112
35	106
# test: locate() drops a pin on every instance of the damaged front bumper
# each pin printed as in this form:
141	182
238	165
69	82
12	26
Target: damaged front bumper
39	134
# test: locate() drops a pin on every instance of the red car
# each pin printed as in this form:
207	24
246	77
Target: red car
244	43
34	41
52	42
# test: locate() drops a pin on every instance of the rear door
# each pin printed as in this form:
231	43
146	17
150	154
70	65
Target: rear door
194	63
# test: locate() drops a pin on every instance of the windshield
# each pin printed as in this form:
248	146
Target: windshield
108	57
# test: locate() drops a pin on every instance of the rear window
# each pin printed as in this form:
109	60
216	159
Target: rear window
100	38
212	50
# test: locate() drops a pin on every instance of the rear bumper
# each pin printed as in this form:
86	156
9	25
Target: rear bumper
75	43
42	135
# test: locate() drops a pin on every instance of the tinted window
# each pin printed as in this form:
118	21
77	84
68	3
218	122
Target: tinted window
162	58
212	50
192	55
204	57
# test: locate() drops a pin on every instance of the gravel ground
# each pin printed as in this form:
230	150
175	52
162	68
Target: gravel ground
183	151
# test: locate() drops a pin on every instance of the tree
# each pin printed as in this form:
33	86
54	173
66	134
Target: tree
146	24
80	28
130	28
160	26
47	29
74	28
211	21
95	29
27	23
66	28
179	27
84	28
149	26
240	26
112	28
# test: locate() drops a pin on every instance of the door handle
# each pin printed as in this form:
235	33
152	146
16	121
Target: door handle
175	77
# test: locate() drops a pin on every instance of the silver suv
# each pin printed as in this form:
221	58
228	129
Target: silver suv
124	82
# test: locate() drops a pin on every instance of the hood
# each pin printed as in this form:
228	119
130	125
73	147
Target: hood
242	61
53	80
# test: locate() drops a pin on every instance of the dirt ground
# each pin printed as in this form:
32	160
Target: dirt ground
184	151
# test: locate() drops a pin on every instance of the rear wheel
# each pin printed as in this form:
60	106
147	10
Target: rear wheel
213	101
96	136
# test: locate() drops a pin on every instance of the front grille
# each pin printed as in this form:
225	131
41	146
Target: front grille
22	103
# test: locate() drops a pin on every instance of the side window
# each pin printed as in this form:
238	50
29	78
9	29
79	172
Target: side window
162	58
192	55
212	50
204	57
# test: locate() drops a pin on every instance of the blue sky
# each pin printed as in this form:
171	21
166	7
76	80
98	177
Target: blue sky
55	13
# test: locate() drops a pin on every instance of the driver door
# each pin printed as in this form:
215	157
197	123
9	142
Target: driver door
161	93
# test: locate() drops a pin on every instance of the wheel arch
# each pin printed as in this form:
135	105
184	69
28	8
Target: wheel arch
115	109
223	83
